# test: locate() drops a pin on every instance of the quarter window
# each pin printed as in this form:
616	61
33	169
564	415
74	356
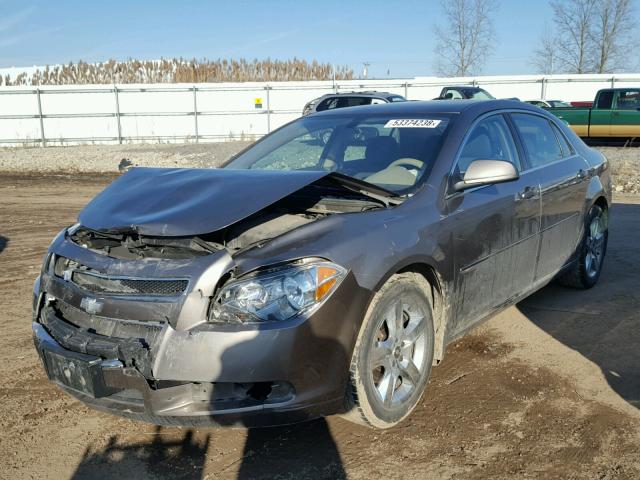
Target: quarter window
567	148
538	138
490	139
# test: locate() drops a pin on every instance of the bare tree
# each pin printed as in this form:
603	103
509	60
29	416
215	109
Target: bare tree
465	39
573	19
545	56
611	31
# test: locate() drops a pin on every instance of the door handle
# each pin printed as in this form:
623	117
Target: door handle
527	193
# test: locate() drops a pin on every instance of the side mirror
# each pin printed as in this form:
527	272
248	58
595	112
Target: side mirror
487	172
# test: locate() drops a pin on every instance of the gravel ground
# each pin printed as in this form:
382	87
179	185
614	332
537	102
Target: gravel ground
107	159
625	163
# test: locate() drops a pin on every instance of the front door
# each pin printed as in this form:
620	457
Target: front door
600	121
495	227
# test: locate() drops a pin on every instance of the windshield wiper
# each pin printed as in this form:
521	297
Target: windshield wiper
387	197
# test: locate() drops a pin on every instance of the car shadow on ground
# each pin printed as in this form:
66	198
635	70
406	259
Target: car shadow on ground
302	451
602	323
168	454
298	451
4	241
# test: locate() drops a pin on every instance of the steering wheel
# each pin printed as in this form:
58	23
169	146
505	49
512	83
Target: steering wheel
411	162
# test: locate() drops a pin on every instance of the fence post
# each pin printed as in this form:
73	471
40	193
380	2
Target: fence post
333	71
43	141
115	91
267	88
195	112
543	91
406	90
613	82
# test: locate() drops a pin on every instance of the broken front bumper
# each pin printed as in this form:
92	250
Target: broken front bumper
277	373
109	386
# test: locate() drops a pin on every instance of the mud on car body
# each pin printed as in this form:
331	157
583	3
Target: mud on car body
307	277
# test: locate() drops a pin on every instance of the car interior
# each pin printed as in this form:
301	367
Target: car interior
393	158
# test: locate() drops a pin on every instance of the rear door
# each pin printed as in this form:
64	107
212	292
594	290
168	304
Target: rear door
495	227
562	175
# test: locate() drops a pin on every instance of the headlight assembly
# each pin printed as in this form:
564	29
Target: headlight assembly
277	294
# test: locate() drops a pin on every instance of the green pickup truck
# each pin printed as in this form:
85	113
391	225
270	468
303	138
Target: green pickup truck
615	113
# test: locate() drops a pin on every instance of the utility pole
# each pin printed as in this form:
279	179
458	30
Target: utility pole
365	69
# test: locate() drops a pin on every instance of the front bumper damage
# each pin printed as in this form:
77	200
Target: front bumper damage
156	359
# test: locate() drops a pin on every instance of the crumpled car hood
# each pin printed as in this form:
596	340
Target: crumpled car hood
182	202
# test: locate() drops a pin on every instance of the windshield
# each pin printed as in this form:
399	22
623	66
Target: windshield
558	104
393	152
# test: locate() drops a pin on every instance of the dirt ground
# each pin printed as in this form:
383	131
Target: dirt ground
547	389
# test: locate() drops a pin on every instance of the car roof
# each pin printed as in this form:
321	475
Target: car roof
464	87
430	106
618	89
362	94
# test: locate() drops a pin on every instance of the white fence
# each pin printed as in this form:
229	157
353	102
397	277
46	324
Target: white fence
61	115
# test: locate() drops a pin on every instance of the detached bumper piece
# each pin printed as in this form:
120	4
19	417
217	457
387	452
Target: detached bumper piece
132	352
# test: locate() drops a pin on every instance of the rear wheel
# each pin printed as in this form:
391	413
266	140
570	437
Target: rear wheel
393	354
586	271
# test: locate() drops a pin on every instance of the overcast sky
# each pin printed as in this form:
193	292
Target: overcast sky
394	36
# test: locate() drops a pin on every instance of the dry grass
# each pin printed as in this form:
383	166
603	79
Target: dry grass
180	70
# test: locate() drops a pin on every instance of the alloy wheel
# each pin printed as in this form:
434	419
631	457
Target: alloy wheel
398	355
595	244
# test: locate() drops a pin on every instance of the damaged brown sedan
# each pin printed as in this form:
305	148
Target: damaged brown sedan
308	278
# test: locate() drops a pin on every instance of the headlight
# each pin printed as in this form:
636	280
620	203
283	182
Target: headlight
277	294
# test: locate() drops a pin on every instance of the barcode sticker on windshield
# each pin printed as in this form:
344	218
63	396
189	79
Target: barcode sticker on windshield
412	123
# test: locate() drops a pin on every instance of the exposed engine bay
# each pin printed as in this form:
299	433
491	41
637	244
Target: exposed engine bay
307	205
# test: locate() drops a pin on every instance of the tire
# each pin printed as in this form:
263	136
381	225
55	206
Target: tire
585	271
391	365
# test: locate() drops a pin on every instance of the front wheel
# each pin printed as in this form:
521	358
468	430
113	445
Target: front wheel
586	270
393	354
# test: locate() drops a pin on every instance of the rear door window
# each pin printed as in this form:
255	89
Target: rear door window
356	101
539	140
